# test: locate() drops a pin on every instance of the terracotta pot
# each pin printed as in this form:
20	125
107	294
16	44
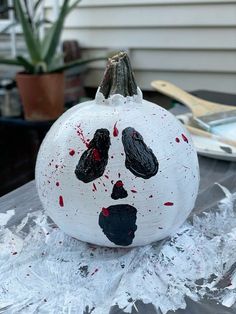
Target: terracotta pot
42	95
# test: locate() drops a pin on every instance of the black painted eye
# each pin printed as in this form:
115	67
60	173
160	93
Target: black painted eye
93	161
140	159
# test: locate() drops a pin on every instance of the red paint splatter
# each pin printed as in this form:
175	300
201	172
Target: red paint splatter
96	154
61	201
56	166
106	176
94	271
94	187
133	191
184	138
72	152
14	253
150	196
168	204
57	183
177	140
82	137
119	175
105	212
115	130
119	184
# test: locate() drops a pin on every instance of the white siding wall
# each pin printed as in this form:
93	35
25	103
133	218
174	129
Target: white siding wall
191	43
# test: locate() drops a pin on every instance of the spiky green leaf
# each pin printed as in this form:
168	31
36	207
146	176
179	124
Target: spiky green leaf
31	40
53	36
75	63
73	6
9	61
29	67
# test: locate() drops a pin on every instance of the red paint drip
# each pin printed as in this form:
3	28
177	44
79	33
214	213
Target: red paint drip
82	137
115	130
168	204
133	191
177	140
184	138
96	154
105	212
106	176
57	183
72	152
94	187
61	202
119	184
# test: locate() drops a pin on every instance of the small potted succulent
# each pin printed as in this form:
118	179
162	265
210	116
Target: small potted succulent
41	83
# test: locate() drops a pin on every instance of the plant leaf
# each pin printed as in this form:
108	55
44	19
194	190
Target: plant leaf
29	67
73	6
53	35
76	63
5	29
9	61
31	40
37	3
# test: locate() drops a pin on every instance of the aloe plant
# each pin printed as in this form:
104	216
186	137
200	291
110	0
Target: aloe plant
42	52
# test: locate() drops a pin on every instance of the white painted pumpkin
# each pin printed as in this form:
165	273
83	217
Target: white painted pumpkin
119	170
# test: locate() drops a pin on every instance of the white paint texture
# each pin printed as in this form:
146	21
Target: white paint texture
54	273
163	201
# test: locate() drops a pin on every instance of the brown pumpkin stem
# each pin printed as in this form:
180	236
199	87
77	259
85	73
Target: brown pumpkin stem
118	77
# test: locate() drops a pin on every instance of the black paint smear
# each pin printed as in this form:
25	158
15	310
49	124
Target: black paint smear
226	149
140	159
119	224
118	191
93	161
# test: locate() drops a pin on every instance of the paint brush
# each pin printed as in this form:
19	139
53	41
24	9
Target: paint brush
205	113
199	132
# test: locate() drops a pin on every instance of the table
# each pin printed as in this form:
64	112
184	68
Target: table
211	171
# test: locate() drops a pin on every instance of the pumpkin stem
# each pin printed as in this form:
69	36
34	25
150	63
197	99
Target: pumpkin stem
118	77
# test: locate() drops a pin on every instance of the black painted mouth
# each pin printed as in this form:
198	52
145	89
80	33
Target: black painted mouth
118	223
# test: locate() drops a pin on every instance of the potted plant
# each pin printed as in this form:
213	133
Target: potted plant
41	84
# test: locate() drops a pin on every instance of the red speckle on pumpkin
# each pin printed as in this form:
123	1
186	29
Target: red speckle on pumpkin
184	138
94	271
177	140
96	154
150	196
115	130
168	204
82	137
119	175
14	253
119	184
106	176
61	201
72	152
105	212
57	183
133	191
94	187
56	166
